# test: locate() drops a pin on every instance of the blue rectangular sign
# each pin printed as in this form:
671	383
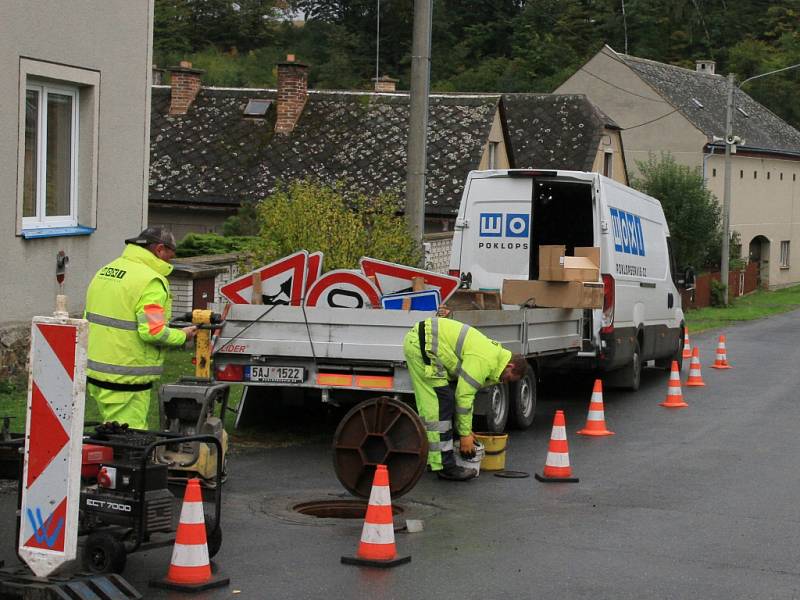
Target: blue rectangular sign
513	225
628	232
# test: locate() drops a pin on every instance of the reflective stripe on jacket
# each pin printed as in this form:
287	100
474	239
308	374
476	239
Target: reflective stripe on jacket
128	306
460	352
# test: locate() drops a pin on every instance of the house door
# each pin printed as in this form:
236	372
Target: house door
759	253
202	292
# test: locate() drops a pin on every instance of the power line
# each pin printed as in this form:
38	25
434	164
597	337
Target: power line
588	72
650	121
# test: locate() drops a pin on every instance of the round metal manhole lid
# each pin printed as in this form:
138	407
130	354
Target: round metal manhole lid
338	509
380	431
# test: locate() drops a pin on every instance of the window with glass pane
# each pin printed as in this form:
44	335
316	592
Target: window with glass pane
31	153
50	173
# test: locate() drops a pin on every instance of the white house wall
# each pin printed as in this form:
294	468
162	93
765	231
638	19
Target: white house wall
109	40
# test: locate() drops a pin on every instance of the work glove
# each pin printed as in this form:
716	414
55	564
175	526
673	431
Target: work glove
467	446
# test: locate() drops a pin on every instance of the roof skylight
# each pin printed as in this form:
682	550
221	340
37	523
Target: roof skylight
257	107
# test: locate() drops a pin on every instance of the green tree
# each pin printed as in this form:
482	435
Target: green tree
315	217
692	211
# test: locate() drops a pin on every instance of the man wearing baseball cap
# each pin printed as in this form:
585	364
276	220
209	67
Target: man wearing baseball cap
128	306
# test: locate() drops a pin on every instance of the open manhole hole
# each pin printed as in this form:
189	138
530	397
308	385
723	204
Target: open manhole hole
337	509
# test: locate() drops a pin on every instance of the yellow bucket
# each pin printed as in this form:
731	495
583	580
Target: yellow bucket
495	450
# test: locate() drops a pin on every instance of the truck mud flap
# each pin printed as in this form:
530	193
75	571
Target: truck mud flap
20	583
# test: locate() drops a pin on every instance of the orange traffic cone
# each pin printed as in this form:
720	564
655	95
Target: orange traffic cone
674	394
190	569
687	346
596	420
377	548
556	466
695	373
721	361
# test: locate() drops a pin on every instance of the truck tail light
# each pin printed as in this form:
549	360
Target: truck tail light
230	373
607	322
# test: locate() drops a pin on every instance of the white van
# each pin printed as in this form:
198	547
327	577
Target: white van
504	217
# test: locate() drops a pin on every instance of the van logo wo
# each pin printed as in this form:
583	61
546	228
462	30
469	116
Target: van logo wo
628	233
512	225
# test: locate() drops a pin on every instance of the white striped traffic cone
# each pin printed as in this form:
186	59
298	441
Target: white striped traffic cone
695	373
556	466
721	360
687	346
190	568
377	548
674	394
596	419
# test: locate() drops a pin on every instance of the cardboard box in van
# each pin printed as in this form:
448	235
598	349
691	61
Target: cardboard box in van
554	265
553	294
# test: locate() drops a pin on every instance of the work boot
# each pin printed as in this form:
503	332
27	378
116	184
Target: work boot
456	473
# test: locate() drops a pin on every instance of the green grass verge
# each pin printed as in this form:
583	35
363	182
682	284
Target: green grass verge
757	305
14	397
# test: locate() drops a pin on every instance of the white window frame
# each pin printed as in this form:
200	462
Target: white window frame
40	220
785	254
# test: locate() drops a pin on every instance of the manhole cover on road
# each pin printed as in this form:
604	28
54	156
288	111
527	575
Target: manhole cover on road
337	509
323	508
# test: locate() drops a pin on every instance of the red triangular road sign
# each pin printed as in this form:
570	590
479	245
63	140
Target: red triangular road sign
313	268
47	435
282	282
62	340
393	278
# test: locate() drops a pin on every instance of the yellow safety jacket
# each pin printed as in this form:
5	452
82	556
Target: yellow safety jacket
459	352
128	306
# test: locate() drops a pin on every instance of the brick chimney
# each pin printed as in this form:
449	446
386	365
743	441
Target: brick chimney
705	66
385	84
292	93
185	82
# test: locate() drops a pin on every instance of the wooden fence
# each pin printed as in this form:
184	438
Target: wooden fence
740	282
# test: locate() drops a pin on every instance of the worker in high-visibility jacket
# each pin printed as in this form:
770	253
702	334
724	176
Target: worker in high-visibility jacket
438	351
128	306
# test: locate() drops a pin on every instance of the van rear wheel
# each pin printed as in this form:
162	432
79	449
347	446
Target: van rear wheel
630	376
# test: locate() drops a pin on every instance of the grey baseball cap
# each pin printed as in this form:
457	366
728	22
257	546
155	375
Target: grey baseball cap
154	235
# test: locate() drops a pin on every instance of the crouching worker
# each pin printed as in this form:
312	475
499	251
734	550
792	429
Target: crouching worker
128	306
439	351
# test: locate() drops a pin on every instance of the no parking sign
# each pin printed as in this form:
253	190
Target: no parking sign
53	437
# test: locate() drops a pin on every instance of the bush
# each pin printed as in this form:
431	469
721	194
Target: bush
315	217
692	212
199	244
717	293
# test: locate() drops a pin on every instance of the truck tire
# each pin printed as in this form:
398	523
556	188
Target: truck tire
523	401
496	417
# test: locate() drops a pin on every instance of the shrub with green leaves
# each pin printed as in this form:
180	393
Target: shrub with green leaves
316	217
200	244
692	211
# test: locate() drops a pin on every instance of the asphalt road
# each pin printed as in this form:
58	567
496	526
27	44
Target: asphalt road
694	503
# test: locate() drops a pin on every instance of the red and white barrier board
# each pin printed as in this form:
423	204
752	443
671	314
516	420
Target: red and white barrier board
53	438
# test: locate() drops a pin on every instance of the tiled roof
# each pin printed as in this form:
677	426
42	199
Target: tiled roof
215	155
554	131
702	98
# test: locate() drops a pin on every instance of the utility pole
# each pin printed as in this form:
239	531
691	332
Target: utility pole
418	119
726	199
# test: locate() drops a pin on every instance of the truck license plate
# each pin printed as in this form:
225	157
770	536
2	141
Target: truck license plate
277	374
